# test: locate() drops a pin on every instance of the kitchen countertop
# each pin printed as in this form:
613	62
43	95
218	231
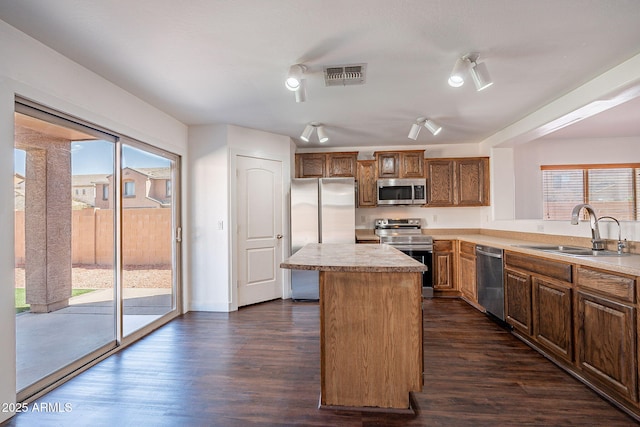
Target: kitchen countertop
627	264
352	257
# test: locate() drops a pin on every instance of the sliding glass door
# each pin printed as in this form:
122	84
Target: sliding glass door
148	288
96	255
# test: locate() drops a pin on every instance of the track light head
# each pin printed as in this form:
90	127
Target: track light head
480	75
456	78
415	130
322	136
301	93
433	127
306	133
294	78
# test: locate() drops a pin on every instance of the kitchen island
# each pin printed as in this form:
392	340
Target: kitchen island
370	324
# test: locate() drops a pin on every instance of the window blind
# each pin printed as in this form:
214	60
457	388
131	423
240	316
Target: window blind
611	190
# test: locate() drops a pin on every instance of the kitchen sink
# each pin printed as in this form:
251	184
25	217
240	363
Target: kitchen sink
571	250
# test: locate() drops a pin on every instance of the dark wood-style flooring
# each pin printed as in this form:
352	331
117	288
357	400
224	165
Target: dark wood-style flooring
260	366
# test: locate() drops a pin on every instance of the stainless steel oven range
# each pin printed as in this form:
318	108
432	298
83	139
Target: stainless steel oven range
405	234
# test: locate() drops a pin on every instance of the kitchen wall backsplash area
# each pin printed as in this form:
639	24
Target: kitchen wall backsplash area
431	217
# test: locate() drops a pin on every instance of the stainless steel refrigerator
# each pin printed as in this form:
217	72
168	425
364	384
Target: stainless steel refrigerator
322	211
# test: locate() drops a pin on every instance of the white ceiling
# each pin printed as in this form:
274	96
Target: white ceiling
224	61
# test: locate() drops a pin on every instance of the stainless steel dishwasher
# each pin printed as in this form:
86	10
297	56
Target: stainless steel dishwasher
490	280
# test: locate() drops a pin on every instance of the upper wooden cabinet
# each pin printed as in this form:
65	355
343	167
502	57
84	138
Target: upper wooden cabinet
412	164
458	182
400	164
341	164
320	165
366	176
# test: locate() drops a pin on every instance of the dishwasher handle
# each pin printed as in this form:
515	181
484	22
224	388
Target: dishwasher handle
481	251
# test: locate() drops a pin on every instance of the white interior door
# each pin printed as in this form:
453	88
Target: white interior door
259	199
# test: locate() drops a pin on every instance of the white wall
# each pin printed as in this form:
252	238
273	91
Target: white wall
33	71
212	152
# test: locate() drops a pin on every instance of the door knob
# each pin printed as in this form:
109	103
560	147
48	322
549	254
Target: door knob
279	236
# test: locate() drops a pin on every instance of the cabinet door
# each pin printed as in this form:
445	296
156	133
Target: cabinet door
310	165
552	317
606	344
388	165
367	196
412	164
341	164
468	277
440	184
471	182
443	268
517	289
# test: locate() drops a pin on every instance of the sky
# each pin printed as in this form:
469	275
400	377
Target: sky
96	157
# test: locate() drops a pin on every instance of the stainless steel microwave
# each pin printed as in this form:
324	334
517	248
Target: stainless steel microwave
402	191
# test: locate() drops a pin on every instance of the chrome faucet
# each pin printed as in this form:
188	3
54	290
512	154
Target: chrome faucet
597	244
621	244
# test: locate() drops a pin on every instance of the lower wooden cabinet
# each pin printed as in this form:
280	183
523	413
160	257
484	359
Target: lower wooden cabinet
584	318
552	317
517	300
443	266
467	264
606	331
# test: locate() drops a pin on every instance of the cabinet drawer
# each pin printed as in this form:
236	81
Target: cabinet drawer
443	245
545	267
468	248
622	287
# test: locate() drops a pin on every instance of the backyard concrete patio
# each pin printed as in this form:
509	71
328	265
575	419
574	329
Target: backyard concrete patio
46	342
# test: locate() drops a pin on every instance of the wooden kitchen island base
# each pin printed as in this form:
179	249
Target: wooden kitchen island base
370	324
370	339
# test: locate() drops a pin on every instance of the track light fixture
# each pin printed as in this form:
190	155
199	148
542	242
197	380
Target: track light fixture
308	131
478	71
429	124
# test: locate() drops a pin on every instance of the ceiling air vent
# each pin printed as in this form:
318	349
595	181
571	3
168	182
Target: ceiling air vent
343	75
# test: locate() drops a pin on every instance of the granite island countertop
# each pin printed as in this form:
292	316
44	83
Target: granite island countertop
352	257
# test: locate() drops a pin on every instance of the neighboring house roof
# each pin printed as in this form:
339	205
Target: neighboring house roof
88	180
155	173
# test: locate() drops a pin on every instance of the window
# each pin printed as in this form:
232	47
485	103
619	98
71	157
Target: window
610	189
129	189
105	192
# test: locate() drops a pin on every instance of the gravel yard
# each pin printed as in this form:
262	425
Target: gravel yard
95	277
